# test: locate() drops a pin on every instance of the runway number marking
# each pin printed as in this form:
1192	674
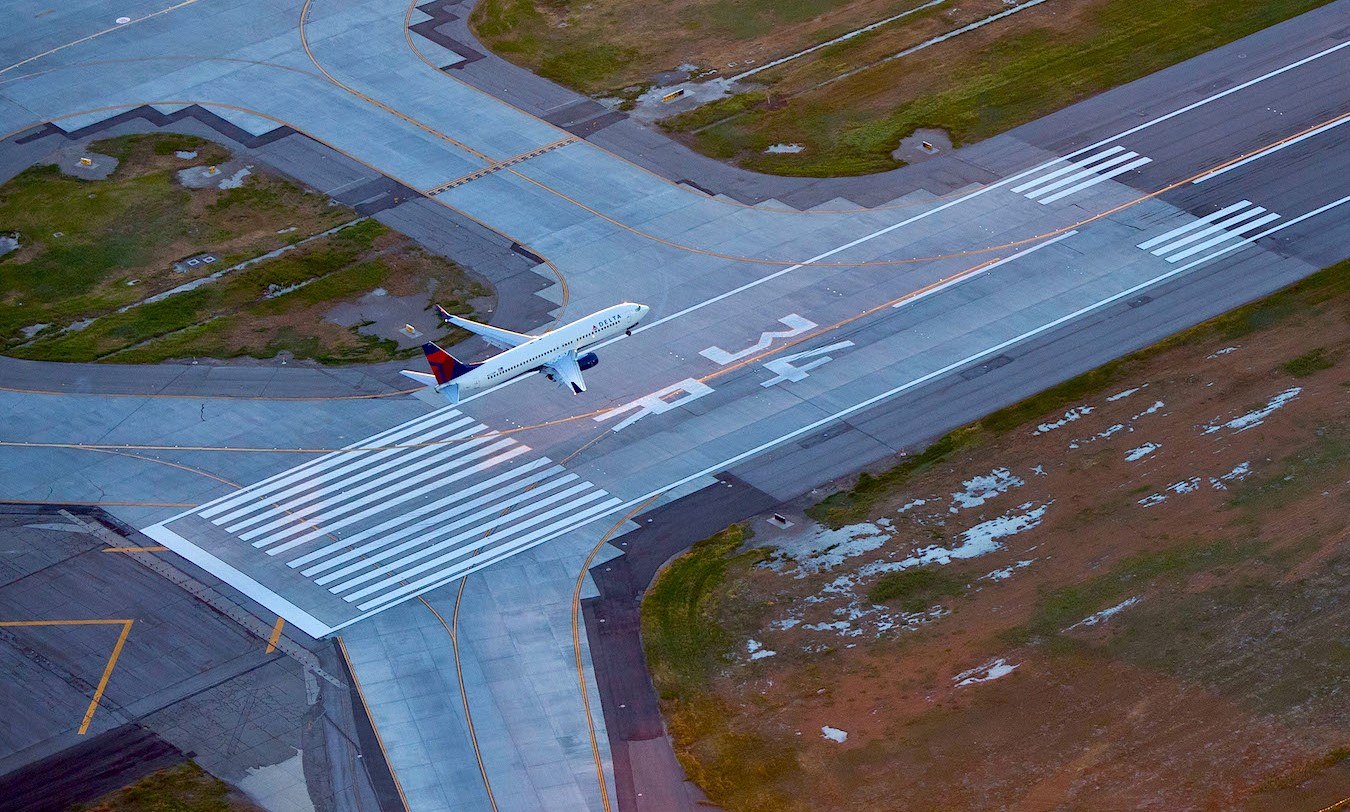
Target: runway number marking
796	326
657	402
786	370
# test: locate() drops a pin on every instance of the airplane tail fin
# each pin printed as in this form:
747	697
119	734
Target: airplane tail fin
444	366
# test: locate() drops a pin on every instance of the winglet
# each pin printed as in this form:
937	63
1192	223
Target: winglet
444	316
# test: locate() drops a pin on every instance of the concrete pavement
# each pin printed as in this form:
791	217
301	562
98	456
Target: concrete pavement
1022	278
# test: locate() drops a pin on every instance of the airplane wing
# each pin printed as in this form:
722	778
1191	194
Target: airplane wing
496	336
566	371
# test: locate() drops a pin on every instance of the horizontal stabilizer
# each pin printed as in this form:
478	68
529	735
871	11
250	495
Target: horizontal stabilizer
423	378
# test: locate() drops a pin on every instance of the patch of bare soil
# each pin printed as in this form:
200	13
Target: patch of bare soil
1136	602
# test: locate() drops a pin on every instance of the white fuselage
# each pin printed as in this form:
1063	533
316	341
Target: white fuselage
572	337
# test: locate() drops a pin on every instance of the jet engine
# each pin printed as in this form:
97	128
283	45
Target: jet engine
587	361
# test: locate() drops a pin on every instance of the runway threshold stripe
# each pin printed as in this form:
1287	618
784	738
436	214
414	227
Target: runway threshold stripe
461	550
437	507
327	461
345	493
307	491
494	505
510	523
329	526
537	537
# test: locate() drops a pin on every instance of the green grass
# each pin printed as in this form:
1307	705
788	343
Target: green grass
917	589
185	788
852	126
1311	469
688	638
131	226
330	262
1309	363
587	68
1058	609
681	633
1330	285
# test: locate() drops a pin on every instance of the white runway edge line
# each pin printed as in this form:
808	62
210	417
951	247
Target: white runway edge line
997	185
412	590
1265	152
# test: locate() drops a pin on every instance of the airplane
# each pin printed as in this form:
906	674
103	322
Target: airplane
558	353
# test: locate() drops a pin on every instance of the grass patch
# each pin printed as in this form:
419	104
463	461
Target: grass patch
917	589
84	242
854	505
687	638
1058	609
135	225
1309	363
852	126
588	69
184	788
681	630
713	112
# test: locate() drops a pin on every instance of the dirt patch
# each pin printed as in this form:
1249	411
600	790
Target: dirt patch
1134	600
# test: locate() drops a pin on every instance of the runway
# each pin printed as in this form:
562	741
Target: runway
785	347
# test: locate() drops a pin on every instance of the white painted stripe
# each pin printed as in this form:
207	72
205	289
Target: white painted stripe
341	480
1072	165
537	537
328	526
437	526
342	504
323	463
496	554
1077	176
333	458
1218	226
530	468
1228	235
939	288
308	501
1191	226
1263	153
355	463
1096	179
468	541
478	533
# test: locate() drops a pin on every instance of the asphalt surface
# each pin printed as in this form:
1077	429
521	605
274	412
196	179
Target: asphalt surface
1028	258
87	771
